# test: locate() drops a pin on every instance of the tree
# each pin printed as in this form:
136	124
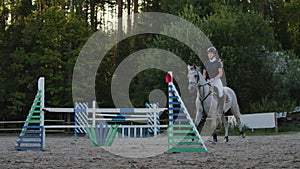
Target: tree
292	16
40	44
13	22
241	39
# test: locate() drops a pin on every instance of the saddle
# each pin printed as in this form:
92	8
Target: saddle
226	98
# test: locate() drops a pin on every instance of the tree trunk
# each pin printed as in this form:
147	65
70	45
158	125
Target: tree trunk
120	30
120	15
128	16
92	7
135	10
136	6
262	8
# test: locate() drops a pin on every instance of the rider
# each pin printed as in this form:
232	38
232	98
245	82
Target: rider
215	71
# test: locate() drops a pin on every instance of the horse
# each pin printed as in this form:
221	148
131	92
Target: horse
204	102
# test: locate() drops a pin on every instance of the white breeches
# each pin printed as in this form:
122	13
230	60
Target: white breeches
219	85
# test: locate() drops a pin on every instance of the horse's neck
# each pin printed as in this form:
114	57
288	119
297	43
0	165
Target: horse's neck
203	91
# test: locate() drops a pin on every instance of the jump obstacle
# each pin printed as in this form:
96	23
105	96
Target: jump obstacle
181	129
182	133
88	122
33	133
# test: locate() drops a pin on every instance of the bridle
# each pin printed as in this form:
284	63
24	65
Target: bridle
198	85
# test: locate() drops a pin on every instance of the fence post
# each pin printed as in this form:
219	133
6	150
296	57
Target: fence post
276	122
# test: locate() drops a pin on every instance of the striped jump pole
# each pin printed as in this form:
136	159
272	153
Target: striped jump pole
81	118
153	120
148	116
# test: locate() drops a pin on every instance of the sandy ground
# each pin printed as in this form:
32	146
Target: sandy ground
67	152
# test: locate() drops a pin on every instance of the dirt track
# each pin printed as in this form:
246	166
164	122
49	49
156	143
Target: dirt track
67	152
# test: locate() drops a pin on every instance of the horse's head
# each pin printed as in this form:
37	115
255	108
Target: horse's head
195	77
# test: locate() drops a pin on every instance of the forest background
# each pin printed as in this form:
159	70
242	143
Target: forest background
258	41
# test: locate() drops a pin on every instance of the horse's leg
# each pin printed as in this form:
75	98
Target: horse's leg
225	123
236	113
199	116
215	137
217	116
202	122
235	110
214	126
238	120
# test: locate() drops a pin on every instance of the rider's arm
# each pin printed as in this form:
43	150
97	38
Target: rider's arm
220	74
204	74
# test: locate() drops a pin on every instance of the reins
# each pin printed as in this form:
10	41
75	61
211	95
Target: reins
196	84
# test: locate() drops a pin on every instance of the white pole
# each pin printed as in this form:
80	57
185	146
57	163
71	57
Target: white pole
155	123
135	131
41	87
141	131
94	114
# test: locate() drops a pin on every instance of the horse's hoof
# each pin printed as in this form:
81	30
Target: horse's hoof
215	138
226	139
242	134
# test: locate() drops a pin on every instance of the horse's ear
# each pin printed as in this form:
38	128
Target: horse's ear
194	66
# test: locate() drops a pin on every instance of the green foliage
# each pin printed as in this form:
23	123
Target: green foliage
291	15
285	75
46	45
44	38
140	88
52	46
268	105
289	127
201	7
241	39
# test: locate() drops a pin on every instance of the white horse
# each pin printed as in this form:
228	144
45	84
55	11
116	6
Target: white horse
205	103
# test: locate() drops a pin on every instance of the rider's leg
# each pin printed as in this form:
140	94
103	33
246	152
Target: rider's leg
221	98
